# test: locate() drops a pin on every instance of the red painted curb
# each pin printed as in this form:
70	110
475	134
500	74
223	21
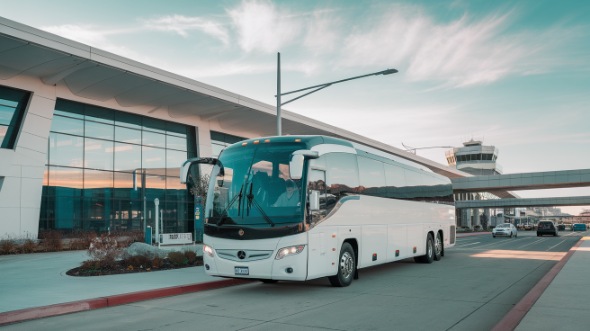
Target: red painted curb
110	301
517	313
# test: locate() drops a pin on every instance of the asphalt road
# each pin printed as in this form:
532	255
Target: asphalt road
472	288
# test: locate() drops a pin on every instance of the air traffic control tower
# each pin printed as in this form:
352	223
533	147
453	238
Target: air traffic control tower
476	159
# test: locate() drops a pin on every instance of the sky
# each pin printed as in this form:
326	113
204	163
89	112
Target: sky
514	74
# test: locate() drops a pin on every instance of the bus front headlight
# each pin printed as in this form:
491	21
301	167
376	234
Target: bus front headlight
208	250
291	250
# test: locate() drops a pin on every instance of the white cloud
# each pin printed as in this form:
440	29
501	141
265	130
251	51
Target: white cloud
183	25
261	27
99	38
458	53
86	34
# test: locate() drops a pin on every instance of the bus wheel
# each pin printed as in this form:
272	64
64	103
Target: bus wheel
438	247
429	257
346	267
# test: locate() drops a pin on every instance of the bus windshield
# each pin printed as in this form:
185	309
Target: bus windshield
254	189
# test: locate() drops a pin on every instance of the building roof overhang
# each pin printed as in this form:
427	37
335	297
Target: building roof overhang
101	76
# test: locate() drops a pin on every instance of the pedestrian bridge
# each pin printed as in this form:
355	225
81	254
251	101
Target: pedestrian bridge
499	184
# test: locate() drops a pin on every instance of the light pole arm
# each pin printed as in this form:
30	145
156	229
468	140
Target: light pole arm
323	86
314	89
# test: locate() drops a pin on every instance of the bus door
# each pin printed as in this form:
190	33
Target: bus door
321	239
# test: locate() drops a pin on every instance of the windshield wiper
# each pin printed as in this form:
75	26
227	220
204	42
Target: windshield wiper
251	200
233	200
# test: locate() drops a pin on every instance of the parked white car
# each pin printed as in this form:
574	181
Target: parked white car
506	229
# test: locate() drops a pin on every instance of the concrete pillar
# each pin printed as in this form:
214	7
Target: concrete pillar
476	220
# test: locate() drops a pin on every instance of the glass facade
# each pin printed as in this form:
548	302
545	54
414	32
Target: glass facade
105	168
13	104
219	141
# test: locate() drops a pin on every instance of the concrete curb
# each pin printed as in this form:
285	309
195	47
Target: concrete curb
110	301
517	313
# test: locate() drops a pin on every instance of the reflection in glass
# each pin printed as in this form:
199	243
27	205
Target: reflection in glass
176	143
90	182
127	135
158	182
6	111
98	154
173	183
174	159
127	157
127	120
65	177
65	150
97	179
99	114
67	125
154	160
3	130
99	130
154	139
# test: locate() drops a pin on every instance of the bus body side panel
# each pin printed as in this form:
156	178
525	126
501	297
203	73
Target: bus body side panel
397	239
324	248
373	248
387	225
416	239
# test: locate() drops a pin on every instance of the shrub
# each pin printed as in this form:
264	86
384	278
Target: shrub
157	262
191	256
105	250
82	239
28	246
177	258
138	261
7	246
52	240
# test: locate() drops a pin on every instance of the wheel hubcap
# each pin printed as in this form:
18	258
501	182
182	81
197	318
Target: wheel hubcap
346	265
438	245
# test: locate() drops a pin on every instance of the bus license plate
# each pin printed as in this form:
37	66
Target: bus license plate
241	270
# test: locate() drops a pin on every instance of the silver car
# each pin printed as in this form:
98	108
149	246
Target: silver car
506	229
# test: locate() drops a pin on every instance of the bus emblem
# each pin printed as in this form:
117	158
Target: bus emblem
241	255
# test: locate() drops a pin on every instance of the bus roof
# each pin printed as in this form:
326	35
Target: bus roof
309	141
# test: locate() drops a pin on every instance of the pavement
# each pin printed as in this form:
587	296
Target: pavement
36	285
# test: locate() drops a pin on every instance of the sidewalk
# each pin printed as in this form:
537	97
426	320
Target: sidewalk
36	285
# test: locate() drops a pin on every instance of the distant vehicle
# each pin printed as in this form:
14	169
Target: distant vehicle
561	227
546	227
506	230
579	227
528	226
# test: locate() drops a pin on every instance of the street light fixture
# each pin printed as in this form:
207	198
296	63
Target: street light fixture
314	88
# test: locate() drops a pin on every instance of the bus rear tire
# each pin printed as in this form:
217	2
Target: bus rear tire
429	256
346	267
438	247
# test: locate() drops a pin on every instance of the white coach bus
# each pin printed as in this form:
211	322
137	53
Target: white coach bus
303	207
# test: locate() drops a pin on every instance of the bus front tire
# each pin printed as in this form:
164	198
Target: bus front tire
346	267
429	257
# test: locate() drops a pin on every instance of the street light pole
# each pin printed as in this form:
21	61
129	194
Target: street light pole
314	89
279	127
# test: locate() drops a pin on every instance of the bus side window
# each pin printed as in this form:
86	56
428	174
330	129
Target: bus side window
342	177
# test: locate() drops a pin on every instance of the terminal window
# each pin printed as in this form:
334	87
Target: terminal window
105	168
12	109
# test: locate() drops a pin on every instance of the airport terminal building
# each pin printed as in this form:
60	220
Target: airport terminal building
90	139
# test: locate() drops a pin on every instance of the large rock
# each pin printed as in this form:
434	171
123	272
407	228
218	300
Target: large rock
139	248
